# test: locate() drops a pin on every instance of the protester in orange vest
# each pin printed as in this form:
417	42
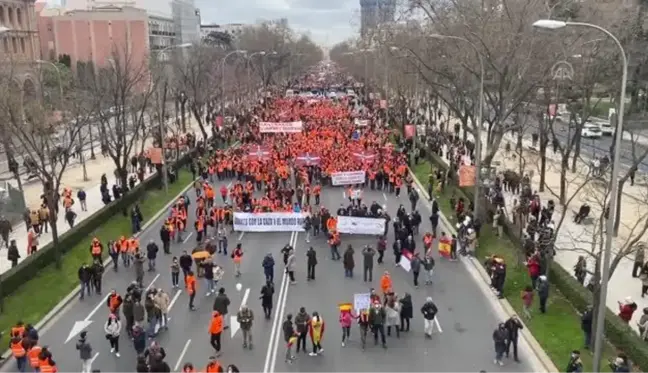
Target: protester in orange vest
200	228
45	362
114	302
96	248
191	288
215	330
19	351
334	242
18	329
32	242
32	356
386	283
237	254
213	366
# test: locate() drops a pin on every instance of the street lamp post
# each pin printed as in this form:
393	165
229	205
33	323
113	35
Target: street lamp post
262	54
223	78
614	180
290	66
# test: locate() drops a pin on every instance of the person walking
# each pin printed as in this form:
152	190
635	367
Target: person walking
316	328
162	302
267	291
513	327
406	312
85	352
215	331
245	317
301	325
112	328
429	311
348	261
221	304
377	316
237	256
290	266
268	264
290	337
500	336
415	265
368	254
311	262
346	319
192	286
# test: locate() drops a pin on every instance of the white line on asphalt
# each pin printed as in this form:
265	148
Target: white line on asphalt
343	194
436	322
385	196
152	282
175	298
229	185
275	320
182	354
186	238
241	236
282	306
245	298
96	355
94	310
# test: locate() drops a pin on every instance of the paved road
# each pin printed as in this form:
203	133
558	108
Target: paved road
465	318
596	147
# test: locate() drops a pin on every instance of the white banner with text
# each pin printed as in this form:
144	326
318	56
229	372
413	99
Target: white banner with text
355	225
348	178
269	222
281	127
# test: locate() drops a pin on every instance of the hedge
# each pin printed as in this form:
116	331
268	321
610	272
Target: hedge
617	332
13	279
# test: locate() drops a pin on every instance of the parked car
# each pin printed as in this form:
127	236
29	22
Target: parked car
607	129
591	131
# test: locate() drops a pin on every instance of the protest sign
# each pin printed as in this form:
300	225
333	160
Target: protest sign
269	222
354	225
361	122
281	127
348	177
361	301
467	176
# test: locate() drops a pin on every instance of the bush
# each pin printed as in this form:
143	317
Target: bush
11	280
618	333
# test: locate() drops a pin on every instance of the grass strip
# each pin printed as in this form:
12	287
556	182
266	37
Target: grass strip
40	294
557	331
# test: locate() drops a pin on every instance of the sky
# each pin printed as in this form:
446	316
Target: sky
326	21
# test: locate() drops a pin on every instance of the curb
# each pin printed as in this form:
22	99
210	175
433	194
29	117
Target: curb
540	353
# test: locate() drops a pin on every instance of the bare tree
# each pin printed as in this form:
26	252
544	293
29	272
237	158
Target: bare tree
122	95
46	131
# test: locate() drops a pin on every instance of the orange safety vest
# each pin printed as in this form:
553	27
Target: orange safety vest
213	368
45	367
17	349
17	331
237	257
33	356
216	325
191	284
96	249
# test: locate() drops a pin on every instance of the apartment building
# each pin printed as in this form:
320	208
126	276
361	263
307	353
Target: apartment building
19	41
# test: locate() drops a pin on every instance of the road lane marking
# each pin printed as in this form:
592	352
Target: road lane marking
384	196
182	354
343	194
241	236
175	298
152	282
186	238
282	306
82	325
234	324
275	320
96	355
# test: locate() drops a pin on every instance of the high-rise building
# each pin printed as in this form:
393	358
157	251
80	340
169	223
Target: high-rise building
374	13
186	18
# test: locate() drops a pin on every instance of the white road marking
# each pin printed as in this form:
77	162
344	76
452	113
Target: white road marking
274	332
344	194
241	236
96	355
282	306
182	354
186	238
436	322
245	298
384	196
175	298
152	282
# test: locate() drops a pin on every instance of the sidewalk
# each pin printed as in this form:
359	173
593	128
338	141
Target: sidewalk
73	179
573	239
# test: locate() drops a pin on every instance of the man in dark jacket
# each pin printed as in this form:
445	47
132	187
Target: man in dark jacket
13	254
586	326
268	267
151	254
368	254
5	229
429	311
311	262
301	323
85	275
513	326
289	333
165	236
185	262
221	303
377	316
415	265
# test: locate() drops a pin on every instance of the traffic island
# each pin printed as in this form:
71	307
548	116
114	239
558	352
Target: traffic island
558	331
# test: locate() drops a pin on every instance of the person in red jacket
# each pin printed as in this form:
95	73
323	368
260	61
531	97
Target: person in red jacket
626	309
533	266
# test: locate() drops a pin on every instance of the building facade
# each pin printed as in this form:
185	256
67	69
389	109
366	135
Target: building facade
374	13
19	41
162	32
97	35
231	29
186	18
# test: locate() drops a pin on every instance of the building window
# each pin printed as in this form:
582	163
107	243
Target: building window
22	45
2	15
5	45
14	43
19	23
10	17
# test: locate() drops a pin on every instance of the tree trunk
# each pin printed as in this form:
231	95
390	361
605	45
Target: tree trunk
52	203
564	166
123	176
543	155
577	148
619	206
183	111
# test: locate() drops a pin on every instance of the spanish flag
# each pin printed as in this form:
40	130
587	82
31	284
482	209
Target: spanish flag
345	307
444	248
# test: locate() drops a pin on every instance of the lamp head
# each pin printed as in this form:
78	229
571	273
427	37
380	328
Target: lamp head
550	24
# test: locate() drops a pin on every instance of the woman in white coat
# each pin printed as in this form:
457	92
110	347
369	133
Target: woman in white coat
112	327
392	309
